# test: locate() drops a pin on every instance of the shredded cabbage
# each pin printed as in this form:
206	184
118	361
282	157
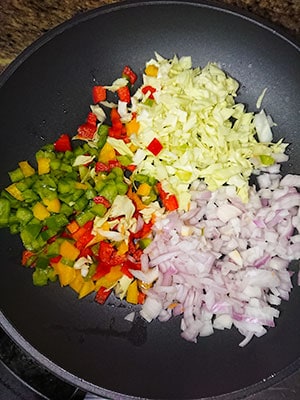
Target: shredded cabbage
204	133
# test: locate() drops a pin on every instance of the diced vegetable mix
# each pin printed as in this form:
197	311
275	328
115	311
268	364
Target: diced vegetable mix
85	212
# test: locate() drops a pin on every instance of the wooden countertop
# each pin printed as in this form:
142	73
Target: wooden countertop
23	21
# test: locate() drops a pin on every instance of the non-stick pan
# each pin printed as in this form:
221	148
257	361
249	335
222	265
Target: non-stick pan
46	92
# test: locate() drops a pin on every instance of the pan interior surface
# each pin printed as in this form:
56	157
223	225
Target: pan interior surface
46	93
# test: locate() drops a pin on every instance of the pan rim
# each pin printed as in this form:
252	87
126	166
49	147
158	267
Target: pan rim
9	71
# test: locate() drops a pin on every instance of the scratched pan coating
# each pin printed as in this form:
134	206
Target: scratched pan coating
46	92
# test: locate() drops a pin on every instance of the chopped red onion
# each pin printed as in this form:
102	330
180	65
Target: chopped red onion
225	263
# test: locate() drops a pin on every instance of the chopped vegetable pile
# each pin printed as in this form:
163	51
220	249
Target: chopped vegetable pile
150	200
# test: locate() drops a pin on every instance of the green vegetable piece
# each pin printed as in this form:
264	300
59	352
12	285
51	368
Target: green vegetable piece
56	222
29	234
67	261
41	276
91	272
124	160
23	215
4	212
16	175
42	262
81	203
55	164
84	217
102	135
109	191
266	160
143	243
122	188
98	209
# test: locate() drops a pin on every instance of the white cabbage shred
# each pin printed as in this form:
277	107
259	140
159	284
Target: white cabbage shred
204	133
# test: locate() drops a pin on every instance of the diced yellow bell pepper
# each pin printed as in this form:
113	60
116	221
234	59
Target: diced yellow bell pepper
132	126
26	168
52	205
15	192
109	280
151	70
132	294
87	288
78	282
65	273
68	250
43	165
107	153
122	248
144	189
79	185
40	211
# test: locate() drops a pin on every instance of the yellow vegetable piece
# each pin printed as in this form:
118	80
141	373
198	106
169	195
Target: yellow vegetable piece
52	205
79	185
78	282
40	211
15	192
110	279
26	168
122	248
107	153
151	70
87	288
132	293
144	189
132	126
133	147
43	165
65	273
68	250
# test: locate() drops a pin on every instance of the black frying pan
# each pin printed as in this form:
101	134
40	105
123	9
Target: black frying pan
46	92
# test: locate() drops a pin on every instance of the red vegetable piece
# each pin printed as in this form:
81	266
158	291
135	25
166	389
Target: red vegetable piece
101	167
124	94
102	295
155	147
86	131
99	94
101	200
102	269
129	74
63	143
91	119
150	89
171	202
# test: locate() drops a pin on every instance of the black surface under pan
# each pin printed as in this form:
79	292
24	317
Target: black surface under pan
46	92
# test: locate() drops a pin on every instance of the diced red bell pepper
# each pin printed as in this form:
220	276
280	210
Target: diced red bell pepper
99	94
84	240
150	89
101	167
85	252
102	269
101	200
127	265
155	146
89	128
63	143
129	74
171	202
124	94
146	229
28	257
102	295
55	260
91	119
109	255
